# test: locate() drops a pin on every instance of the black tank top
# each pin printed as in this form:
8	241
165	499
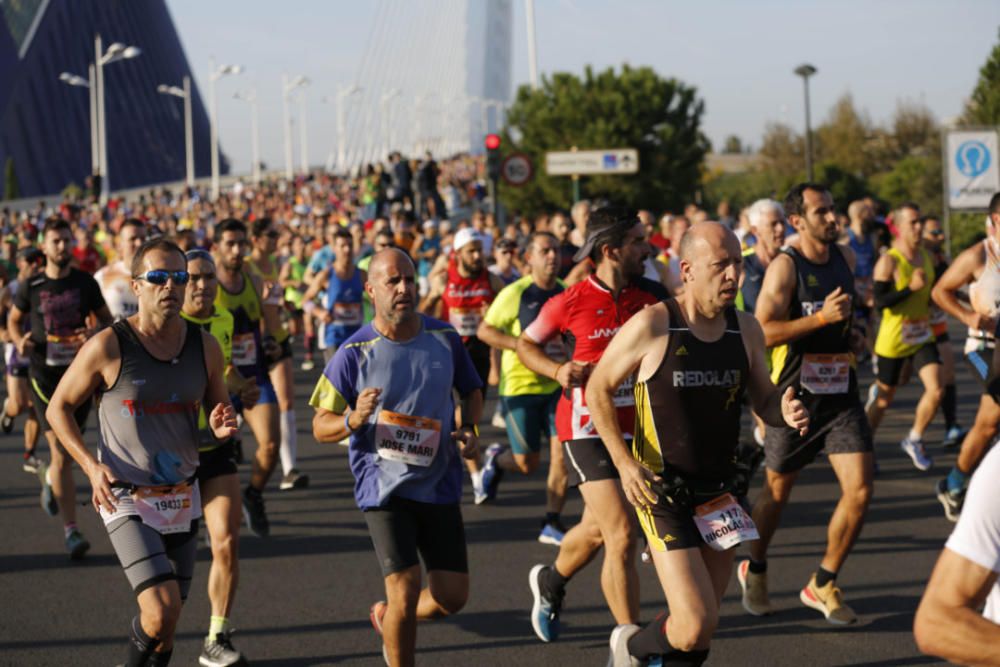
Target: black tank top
688	411
813	283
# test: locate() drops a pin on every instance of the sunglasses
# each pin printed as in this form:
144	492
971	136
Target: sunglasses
935	232
161	276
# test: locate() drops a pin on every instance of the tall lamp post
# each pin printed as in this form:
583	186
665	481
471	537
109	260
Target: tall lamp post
286	90
342	96
216	73
251	98
117	51
95	143
185	94
806	71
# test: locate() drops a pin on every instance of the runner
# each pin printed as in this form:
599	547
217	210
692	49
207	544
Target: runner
693	359
949	623
115	279
341	285
861	239
767	219
152	371
389	388
587	315
462	295
933	240
978	267
903	277
218	478
29	262
805	308
239	293
58	302
291	277
263	262
528	399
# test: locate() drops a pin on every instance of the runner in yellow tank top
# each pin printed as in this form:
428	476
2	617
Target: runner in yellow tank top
903	278
262	261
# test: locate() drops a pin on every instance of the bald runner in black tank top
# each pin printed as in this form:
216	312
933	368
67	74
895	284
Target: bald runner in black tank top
688	411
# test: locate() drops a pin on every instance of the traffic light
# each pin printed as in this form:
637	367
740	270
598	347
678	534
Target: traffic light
493	156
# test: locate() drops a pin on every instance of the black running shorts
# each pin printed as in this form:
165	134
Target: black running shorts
218	461
846	432
587	460
403	531
671	528
890	369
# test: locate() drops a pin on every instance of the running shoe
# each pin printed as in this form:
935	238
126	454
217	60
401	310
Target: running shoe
829	601
375	615
915	450
754	586
954	437
254	513
620	657
546	606
478	493
308	365
491	472
950	500
218	651
76	544
552	533
31	463
47	498
498	420
872	396
294	480
6	422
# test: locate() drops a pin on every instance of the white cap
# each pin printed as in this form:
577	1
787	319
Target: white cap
464	237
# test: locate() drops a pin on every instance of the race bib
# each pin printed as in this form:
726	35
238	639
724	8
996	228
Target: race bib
826	373
407	439
165	509
625	394
465	320
60	350
916	332
723	523
244	349
347	315
938	316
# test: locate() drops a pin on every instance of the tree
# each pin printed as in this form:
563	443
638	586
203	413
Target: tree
633	108
841	139
983	107
11	190
733	145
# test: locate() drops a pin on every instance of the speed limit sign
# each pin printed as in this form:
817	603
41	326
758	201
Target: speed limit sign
516	169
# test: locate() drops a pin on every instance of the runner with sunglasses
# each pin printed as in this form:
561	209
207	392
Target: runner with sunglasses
153	372
58	302
263	262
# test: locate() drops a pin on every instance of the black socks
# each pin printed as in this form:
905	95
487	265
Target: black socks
652	641
823	577
757	567
140	645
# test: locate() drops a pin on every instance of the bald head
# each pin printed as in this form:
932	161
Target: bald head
389	260
704	236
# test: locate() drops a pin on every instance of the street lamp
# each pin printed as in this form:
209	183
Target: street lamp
216	73
286	90
95	144
342	95
116	52
806	71
251	98
185	94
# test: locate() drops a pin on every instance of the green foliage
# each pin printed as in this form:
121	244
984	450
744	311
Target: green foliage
966	229
72	192
632	108
10	190
733	145
913	178
983	107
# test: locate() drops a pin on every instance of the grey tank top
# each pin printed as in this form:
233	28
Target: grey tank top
149	416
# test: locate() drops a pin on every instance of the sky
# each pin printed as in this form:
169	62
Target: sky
739	54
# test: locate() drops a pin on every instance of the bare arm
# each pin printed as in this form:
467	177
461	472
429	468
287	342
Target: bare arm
317	285
496	338
947	624
961	272
15	325
775	300
103	315
221	417
430	304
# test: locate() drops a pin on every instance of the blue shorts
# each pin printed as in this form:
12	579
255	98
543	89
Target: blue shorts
530	417
267	395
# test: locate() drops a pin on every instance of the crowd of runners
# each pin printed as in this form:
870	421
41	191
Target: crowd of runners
628	353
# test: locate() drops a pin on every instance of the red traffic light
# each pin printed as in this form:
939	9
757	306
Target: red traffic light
492	142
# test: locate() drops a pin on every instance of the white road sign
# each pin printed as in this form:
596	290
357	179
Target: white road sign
972	169
607	161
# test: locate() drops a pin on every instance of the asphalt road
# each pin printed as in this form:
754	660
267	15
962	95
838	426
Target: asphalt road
305	592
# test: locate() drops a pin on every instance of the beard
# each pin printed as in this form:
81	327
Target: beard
62	262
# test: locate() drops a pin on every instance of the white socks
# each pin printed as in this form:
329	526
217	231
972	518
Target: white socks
289	442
